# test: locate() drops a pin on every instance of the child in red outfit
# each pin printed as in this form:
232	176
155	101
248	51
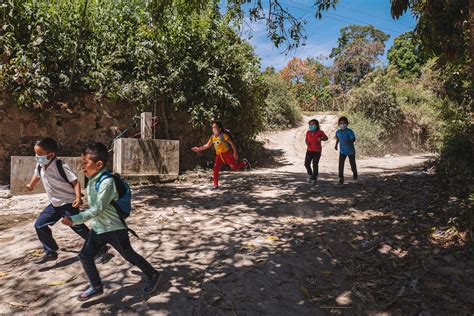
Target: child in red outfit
223	146
314	136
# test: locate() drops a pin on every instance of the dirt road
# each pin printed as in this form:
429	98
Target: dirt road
266	243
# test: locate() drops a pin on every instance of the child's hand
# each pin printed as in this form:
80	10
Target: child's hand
77	202
195	149
335	147
67	221
29	187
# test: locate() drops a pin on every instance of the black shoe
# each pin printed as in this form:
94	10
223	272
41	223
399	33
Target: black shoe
52	256
315	181
91	292
215	188
355	176
152	285
103	255
247	162
341	180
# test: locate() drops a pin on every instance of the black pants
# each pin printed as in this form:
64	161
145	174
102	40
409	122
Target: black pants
342	160
313	156
120	241
48	217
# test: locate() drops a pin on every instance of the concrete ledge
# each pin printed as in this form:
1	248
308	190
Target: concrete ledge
146	157
23	168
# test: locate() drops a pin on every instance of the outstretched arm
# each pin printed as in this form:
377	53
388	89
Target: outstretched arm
203	147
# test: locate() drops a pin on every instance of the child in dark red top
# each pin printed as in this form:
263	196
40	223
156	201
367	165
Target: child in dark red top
314	136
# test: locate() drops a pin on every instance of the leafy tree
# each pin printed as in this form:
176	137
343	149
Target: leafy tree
406	55
198	65
307	80
281	106
357	52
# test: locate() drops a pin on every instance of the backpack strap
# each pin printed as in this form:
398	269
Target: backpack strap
221	136
117	209
62	173
102	177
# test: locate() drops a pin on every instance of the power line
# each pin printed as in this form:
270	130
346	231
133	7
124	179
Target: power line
396	32
374	16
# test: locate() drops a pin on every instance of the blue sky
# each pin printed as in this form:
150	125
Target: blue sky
323	34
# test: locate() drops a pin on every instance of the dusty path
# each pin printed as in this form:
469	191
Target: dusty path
267	243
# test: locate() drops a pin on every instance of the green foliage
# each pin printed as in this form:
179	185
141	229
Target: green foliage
407	113
357	53
309	81
406	55
375	99
281	110
371	135
195	63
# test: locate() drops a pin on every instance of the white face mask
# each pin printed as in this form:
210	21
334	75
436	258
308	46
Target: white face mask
342	126
42	160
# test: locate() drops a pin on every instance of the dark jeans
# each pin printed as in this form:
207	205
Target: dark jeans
120	241
342	160
313	156
48	217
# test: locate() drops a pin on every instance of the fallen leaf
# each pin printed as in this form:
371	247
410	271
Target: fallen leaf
62	282
305	292
2	274
432	285
37	253
18	304
326	272
272	238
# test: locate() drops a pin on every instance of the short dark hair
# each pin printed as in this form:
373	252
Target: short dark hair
342	118
48	144
218	123
313	120
97	151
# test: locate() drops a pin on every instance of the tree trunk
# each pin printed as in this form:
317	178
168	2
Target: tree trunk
471	27
164	117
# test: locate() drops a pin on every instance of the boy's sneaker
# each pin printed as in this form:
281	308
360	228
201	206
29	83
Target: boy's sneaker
315	181
355	176
152	285
52	256
247	162
103	255
215	188
91	292
341	180
310	179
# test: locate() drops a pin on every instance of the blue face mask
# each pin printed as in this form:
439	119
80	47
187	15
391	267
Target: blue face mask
313	127
42	160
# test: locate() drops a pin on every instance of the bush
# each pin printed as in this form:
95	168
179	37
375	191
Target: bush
281	107
370	135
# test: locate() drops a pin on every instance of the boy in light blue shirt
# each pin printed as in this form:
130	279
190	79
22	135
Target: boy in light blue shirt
107	226
345	138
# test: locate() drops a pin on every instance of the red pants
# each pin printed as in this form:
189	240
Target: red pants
225	158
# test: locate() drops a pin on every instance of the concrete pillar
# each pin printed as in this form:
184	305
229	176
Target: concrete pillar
145	124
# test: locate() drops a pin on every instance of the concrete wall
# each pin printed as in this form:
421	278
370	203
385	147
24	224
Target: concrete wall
146	157
80	118
23	167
